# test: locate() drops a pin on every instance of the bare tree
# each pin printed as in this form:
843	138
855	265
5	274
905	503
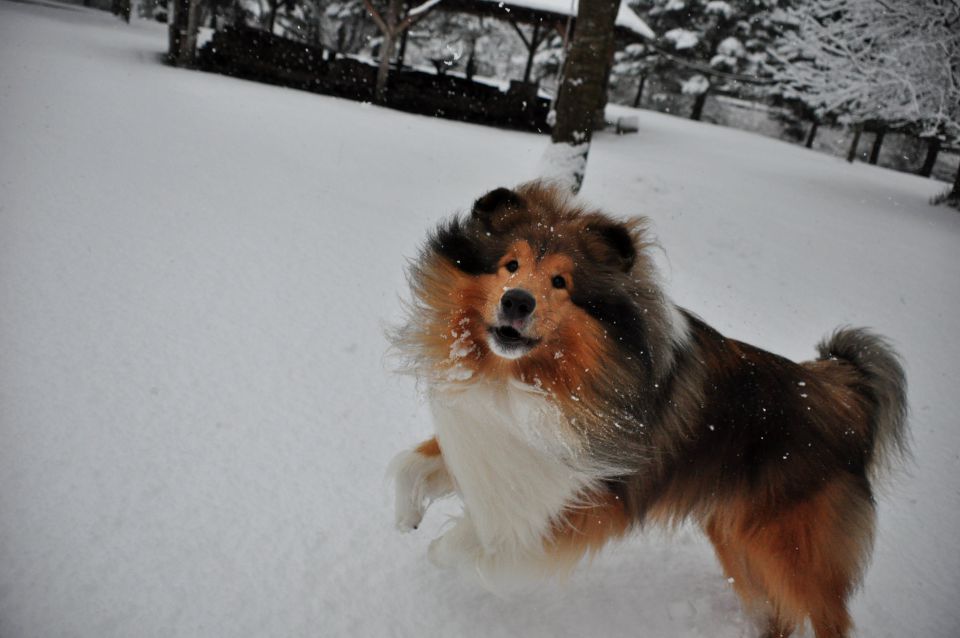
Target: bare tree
582	92
392	27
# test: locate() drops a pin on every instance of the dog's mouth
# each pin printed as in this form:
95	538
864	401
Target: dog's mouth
509	343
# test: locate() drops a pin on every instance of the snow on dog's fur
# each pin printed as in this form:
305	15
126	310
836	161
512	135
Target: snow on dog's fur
572	400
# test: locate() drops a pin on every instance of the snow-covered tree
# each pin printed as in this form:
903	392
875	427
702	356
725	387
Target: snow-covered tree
880	64
714	44
885	63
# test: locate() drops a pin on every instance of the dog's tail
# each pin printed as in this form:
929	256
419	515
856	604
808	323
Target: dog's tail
886	389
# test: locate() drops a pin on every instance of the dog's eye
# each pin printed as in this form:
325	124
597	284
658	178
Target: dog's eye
559	282
512	265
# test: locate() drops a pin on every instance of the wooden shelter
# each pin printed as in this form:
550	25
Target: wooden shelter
546	17
250	53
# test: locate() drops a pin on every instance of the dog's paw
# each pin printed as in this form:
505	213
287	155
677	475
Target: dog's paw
408	515
419	480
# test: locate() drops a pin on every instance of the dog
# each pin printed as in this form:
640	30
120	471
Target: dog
573	401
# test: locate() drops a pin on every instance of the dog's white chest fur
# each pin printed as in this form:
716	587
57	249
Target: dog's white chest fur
513	460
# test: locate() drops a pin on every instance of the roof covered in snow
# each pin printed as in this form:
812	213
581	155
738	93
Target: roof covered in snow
627	19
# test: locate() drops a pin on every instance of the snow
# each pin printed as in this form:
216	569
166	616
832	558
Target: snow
626	17
422	8
682	38
564	163
195	272
720	8
695	85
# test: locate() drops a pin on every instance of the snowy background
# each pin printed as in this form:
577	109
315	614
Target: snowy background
195	410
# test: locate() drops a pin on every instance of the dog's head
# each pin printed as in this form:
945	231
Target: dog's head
534	286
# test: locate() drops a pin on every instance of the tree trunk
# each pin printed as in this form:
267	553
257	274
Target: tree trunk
852	153
933	149
877	143
183	32
581	87
636	100
698	105
121	9
386	49
600	117
272	19
812	134
532	50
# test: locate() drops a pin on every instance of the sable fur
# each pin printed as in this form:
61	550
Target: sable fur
664	418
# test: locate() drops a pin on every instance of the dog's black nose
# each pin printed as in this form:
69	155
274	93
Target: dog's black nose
517	304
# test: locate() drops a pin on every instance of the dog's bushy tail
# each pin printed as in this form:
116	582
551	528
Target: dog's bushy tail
886	388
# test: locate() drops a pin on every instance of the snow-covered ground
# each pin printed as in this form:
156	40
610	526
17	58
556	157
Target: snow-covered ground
195	412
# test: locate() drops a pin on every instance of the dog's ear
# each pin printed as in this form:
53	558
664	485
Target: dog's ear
499	210
610	242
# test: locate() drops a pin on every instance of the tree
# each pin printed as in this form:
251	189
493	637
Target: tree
183	32
582	91
709	45
877	64
392	27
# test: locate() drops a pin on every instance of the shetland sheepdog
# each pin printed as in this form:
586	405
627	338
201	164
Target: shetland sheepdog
573	401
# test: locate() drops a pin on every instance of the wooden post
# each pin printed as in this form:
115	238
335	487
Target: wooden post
643	81
955	191
877	143
933	149
403	49
852	153
698	105
812	134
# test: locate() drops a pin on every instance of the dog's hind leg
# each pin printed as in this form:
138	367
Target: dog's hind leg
809	557
421	477
733	557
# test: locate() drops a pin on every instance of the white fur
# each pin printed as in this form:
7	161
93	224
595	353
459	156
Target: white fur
420	479
677	336
516	465
507	353
679	326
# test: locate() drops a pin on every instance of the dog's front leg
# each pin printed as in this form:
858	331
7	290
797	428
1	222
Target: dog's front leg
421	477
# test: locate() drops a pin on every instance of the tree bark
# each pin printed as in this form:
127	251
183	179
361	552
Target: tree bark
933	150
643	81
877	143
812	134
583	82
183	32
386	48
391	28
600	117
585	74
531	51
852	153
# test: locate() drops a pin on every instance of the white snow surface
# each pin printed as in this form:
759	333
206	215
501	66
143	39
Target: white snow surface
195	409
